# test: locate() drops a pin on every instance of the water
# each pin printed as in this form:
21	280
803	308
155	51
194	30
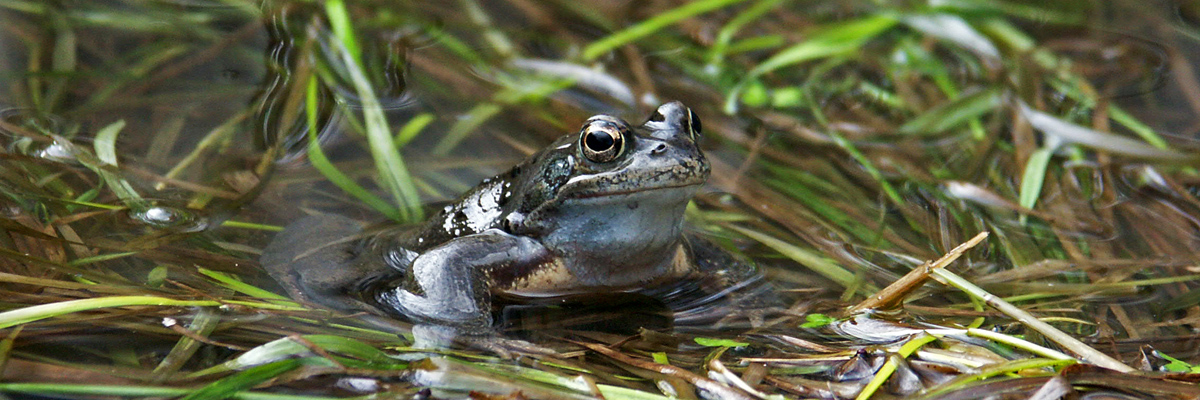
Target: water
221	100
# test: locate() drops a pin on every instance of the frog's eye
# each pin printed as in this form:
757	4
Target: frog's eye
693	124
601	141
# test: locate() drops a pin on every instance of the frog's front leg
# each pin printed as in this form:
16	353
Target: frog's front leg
451	284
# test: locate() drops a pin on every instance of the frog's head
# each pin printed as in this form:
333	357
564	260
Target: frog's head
615	158
615	186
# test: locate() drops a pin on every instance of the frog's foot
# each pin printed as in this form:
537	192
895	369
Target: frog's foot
431	336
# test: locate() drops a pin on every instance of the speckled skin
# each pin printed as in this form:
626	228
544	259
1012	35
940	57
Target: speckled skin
559	223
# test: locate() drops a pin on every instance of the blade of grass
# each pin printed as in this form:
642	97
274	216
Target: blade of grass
955	29
649	26
867	165
716	53
995	370
250	225
809	259
1129	121
889	367
414	126
1033	178
57	389
225	387
43	311
99	257
392	171
237	285
106	157
343	29
954	113
317	158
841	39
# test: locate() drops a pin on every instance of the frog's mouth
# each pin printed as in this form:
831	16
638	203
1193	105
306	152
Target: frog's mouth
591	194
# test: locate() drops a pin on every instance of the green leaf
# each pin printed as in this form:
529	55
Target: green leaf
815	262
43	311
1034	176
954	113
817	320
1176	365
99	258
649	26
392	171
836	40
106	142
67	390
317	158
237	285
713	342
284	348
343	28
228	386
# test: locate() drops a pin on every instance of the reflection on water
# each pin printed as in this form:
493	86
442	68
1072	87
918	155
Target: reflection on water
871	163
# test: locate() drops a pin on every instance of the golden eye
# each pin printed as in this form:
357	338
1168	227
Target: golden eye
601	141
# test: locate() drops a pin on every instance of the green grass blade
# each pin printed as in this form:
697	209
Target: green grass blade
106	142
954	113
388	162
106	158
57	389
228	386
810	259
343	29
649	26
954	29
716	53
1033	177
1142	130
284	348
99	257
841	39
475	118
414	126
237	285
317	158
43	311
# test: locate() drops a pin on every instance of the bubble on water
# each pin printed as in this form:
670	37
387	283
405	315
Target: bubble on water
26	131
170	217
56	151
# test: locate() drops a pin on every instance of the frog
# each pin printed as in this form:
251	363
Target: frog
598	211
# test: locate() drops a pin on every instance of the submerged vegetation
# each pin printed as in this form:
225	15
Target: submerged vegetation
151	148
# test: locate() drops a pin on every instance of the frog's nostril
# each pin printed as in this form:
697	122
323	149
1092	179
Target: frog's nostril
659	149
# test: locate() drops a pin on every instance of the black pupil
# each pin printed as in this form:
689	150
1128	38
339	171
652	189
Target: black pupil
695	122
599	140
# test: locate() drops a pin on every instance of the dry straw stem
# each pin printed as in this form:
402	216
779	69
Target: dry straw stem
893	294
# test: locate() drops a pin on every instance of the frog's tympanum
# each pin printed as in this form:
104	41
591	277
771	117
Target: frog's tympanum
595	212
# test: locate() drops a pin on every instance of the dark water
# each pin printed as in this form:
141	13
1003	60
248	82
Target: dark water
214	100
